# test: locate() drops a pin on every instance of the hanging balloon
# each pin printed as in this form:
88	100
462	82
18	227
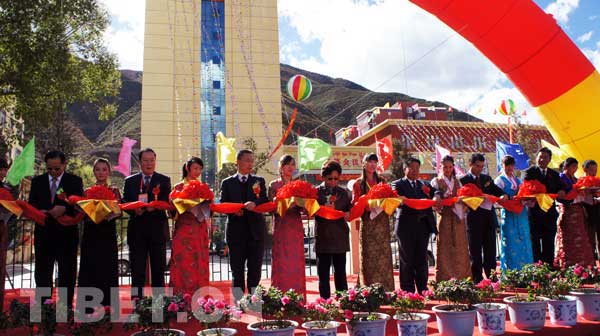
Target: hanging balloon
299	87
507	107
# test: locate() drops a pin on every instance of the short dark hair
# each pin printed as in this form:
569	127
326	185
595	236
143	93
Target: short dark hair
411	160
189	163
586	164
545	150
242	152
286	160
146	150
448	158
568	162
370	157
477	157
508	160
331	166
3	163
55	154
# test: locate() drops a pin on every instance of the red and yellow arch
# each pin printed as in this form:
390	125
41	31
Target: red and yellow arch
542	62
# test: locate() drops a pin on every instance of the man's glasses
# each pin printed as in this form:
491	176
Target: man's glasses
333	178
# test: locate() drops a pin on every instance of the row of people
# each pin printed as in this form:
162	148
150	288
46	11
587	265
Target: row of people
466	241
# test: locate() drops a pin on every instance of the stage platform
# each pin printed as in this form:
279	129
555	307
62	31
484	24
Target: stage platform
583	327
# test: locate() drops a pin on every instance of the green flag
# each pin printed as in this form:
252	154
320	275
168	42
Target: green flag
312	153
23	165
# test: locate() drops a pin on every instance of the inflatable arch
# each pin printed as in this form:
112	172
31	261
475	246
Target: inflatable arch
542	62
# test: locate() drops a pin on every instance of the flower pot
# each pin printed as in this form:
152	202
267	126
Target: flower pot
588	304
217	332
454	323
527	315
417	327
313	330
160	332
491	318
258	328
563	312
371	328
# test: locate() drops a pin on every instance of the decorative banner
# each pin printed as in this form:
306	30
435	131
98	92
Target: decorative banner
287	132
514	150
23	164
225	150
124	165
312	153
299	88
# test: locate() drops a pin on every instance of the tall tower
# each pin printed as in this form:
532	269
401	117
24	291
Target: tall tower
209	66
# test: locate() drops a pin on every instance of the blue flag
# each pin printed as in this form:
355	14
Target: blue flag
514	150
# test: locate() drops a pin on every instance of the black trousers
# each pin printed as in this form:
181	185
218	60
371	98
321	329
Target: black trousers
324	262
481	234
413	237
543	233
143	243
56	244
241	254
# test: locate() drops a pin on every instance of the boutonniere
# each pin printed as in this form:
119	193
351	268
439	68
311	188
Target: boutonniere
156	191
331	199
426	189
487	184
256	189
60	193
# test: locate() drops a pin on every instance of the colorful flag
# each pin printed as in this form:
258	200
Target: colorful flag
312	153
440	152
225	150
514	150
558	155
124	165
23	164
385	153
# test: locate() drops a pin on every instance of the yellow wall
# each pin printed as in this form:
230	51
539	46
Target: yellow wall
171	82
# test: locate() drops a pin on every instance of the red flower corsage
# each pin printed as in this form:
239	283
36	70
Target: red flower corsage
256	189
426	189
156	191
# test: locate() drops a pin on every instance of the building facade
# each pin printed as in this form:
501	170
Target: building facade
209	66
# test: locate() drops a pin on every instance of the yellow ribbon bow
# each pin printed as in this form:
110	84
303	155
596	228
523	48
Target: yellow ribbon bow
388	205
310	204
98	210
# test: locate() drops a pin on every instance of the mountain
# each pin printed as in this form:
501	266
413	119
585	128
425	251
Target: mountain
333	104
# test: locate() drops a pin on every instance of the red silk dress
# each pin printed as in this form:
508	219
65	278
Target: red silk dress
288	248
189	259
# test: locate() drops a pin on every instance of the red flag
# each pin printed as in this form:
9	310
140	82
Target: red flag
385	153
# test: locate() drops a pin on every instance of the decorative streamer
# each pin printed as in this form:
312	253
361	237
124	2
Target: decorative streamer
286	133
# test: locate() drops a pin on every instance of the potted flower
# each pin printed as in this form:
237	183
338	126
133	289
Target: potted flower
409	319
321	316
457	317
213	315
360	307
154	316
528	312
99	324
273	303
588	299
491	316
562	307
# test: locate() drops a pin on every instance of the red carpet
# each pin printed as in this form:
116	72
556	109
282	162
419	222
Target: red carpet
583	328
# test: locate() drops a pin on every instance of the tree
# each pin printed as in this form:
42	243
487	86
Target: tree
52	54
523	136
401	154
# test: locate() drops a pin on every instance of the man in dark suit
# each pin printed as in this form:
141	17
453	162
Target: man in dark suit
53	241
413	228
481	223
245	232
543	224
148	230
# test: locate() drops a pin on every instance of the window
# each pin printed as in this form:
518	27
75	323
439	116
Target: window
216	60
216	84
216	36
217	110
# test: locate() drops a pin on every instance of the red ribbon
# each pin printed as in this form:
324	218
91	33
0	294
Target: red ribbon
160	205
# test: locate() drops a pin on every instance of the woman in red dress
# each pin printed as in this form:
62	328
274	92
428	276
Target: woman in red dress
189	259
288	237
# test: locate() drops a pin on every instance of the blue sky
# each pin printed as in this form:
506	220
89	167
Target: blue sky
371	41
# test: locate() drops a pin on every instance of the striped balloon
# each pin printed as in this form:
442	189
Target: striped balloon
299	87
507	107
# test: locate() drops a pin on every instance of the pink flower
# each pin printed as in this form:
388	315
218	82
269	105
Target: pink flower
49	302
495	286
427	293
173	307
329	301
220	305
320	300
253	298
365	292
285	300
535	284
584	275
187	298
207	309
237	314
320	309
351	294
577	270
348	314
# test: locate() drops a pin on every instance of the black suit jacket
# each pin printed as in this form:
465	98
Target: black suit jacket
39	195
251	224
551	181
132	189
410	216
